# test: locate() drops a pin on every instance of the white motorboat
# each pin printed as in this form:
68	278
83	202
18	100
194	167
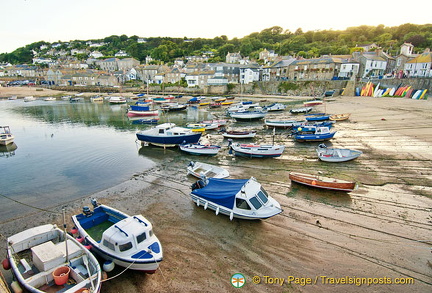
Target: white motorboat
336	154
236	198
127	241
168	135
200	149
6	137
256	150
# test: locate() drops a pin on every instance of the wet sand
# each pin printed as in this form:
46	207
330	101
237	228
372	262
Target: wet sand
380	232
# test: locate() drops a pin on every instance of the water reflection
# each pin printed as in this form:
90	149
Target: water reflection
7	151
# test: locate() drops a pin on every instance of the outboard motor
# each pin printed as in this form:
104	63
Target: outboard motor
322	146
86	211
94	202
230	141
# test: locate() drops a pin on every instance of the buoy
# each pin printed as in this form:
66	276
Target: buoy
88	246
197	202
80	239
217	210
104	275
16	287
74	230
108	266
6	264
231	216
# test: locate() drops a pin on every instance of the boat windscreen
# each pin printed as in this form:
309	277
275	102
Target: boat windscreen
262	194
255	202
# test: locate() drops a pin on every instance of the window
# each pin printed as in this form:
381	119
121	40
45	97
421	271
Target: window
108	244
263	196
255	202
141	237
242	204
126	246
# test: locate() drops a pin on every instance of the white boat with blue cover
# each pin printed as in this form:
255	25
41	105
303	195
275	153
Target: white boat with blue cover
168	135
236	198
127	241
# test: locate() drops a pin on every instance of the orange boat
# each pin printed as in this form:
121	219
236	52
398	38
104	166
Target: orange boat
322	182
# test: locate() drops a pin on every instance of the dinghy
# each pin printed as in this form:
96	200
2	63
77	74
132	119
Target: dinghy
322	182
199	169
336	155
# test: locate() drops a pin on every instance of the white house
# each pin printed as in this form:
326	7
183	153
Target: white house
249	74
420	66
349	69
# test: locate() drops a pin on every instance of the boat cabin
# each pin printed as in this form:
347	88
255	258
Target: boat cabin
127	234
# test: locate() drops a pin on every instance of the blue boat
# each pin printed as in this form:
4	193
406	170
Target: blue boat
317	117
320	134
312	127
236	198
168	135
125	240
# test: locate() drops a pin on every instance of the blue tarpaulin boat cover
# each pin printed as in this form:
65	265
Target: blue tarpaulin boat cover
221	191
194	99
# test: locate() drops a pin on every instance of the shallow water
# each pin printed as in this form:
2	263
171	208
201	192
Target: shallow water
64	151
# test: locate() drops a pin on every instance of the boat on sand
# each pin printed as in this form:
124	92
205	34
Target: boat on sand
199	169
236	198
319	181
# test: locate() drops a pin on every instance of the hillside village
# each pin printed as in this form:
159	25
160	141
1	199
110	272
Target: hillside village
66	69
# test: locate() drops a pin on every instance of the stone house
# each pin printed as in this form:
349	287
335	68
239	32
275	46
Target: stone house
109	64
323	68
406	54
278	70
127	63
199	79
233	57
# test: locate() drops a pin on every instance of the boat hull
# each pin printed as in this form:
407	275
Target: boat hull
334	155
210	150
169	140
322	182
238	134
132	113
252	151
314	137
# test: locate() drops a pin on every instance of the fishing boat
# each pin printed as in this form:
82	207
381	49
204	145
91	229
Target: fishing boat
48	259
127	241
275	107
171	107
317	117
301	110
117	100
200	149
168	135
196	127
255	150
218	122
6	137
215	105
283	123
322	182
340	117
308	127
238	134
250	114
141	110
236	198
49	99
335	154
199	169
320	134
242	106
313	103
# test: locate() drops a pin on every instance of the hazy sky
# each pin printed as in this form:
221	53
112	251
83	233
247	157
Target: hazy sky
27	21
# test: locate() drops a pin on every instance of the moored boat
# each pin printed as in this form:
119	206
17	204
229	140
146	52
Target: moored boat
322	181
171	107
29	99
256	151
6	137
301	110
336	154
317	117
236	198
250	114
283	123
168	135
320	134
117	100
238	134
199	169
141	110
275	107
127	241
313	103
340	117
200	149
47	259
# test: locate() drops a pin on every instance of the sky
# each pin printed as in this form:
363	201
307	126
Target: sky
27	21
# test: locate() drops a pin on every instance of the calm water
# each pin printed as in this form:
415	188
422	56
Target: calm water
68	150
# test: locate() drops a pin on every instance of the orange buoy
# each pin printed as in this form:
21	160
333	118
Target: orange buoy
313	182
6	264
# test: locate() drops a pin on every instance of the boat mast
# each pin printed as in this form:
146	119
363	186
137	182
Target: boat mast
65	235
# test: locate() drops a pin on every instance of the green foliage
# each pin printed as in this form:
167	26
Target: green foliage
307	44
286	86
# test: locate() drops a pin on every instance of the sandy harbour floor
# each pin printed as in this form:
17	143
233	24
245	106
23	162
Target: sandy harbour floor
380	234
